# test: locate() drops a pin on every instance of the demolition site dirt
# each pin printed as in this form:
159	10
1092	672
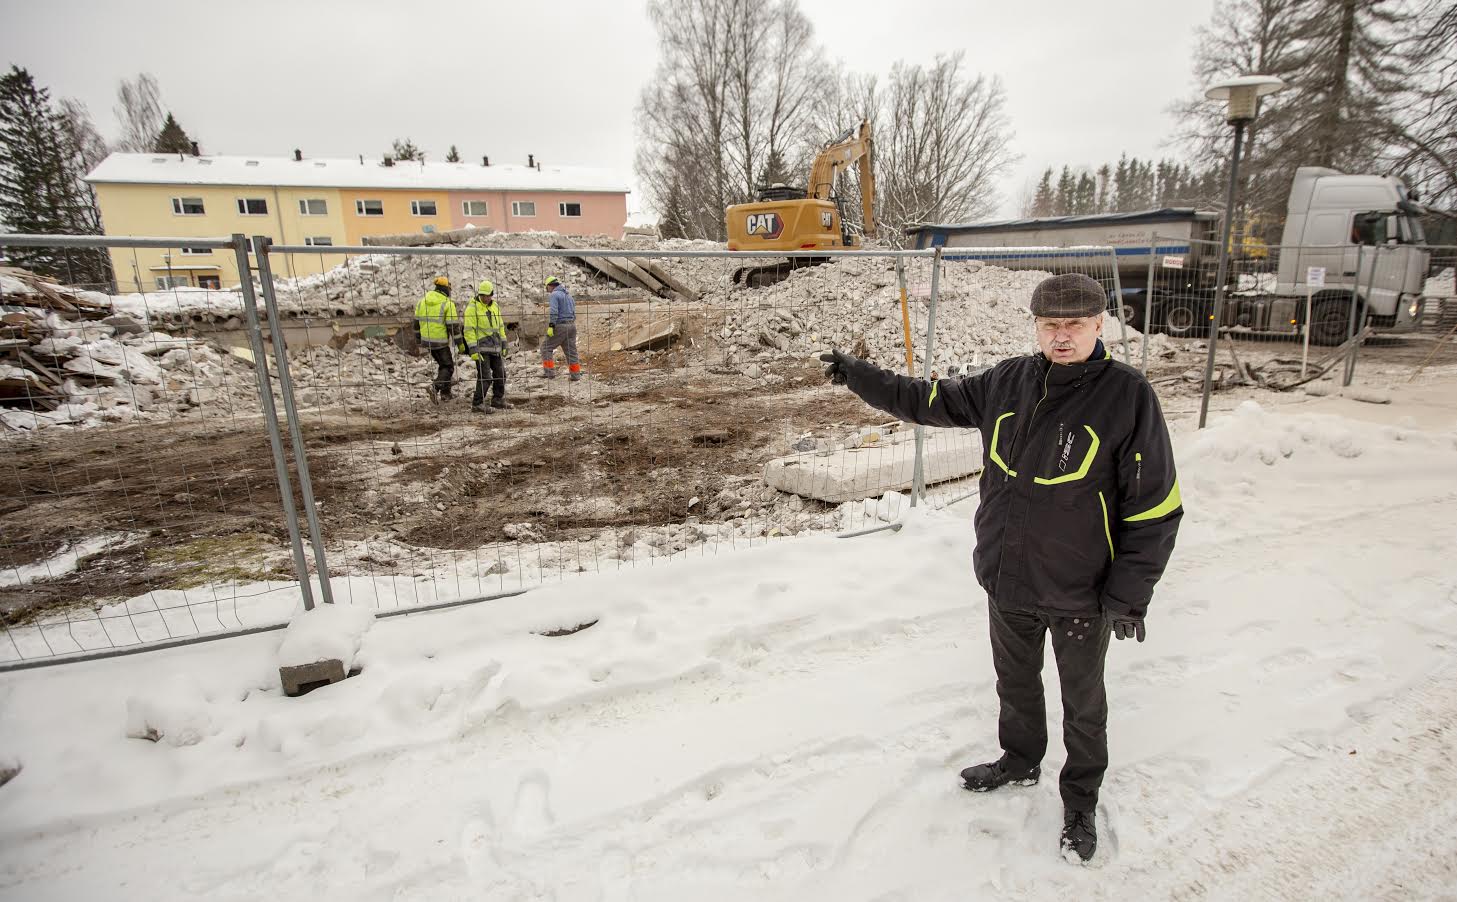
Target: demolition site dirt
194	502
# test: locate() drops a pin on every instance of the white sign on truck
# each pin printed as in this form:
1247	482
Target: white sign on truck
1174	262
1315	276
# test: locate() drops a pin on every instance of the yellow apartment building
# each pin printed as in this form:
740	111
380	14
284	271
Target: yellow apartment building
329	202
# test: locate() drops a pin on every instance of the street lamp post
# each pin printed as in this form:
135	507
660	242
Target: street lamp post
1241	96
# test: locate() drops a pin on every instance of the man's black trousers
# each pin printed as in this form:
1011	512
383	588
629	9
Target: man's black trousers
445	369
1080	646
490	368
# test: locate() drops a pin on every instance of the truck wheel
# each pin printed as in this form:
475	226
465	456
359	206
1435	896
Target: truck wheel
1330	319
1184	317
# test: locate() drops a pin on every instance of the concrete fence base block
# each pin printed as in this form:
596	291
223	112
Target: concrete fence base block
870	471
302	679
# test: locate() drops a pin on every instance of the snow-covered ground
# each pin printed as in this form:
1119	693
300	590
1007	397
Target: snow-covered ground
787	722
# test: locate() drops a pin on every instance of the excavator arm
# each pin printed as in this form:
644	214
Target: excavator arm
855	146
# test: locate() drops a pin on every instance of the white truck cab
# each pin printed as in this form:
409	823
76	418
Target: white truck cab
1364	231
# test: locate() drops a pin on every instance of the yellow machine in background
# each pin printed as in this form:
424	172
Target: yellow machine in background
786	218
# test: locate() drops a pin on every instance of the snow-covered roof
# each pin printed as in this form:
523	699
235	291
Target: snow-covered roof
285	172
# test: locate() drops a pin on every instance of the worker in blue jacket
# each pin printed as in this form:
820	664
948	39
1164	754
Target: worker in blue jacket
561	331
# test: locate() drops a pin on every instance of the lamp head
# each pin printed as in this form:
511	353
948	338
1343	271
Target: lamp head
1242	94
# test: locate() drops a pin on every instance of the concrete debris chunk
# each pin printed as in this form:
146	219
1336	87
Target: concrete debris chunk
864	472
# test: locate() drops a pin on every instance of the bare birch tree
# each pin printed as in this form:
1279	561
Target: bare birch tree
1423	141
946	146
683	115
139	111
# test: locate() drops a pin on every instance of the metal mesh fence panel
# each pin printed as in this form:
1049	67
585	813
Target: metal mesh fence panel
1290	314
699	419
1437	342
142	500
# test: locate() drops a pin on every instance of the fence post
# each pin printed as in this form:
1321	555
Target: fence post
261	245
1153	255
1122	320
270	416
918	479
1355	305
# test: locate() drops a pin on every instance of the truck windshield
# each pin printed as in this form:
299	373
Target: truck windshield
1383	226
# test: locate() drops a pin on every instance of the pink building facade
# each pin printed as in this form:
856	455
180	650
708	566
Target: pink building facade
565	212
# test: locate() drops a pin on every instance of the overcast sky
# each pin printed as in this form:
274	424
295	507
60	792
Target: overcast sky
1085	80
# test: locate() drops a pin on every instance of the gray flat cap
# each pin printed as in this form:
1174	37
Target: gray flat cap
1068	295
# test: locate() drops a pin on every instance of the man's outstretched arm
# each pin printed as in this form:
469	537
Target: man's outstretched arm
944	402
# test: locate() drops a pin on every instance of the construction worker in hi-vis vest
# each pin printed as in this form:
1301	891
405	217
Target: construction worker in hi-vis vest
437	325
485	338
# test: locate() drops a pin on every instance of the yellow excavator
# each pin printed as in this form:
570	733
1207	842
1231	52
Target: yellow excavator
786	218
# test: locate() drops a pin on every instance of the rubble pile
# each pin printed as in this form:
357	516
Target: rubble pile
854	304
387	284
366	372
67	358
376	285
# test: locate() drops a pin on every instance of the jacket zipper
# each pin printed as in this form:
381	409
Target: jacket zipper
1011	456
1032	421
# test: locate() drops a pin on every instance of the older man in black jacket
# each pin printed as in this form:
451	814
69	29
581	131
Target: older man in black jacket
1079	509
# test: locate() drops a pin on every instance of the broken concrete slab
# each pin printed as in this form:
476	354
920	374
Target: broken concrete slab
676	285
870	471
651	337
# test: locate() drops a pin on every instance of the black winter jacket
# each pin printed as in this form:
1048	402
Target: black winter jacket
1079	498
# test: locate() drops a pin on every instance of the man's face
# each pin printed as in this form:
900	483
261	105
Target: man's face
1068	340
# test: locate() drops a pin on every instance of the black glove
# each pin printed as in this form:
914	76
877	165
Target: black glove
838	370
1125	627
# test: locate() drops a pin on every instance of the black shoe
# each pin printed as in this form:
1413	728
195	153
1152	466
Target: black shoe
1079	833
575	377
501	405
548	374
480	408
994	775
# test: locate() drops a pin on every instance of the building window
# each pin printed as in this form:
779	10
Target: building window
197	251
187	206
569	210
166	282
473	208
369	208
319	241
422	208
316	206
523	208
209	282
252	206
250	243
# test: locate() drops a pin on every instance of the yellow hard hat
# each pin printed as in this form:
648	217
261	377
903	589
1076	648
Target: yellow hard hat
442	281
552	280
486	288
